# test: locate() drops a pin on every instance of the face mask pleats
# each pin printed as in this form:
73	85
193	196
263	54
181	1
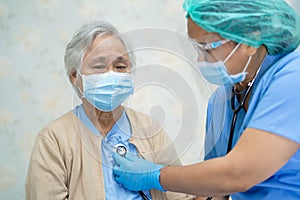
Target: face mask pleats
107	91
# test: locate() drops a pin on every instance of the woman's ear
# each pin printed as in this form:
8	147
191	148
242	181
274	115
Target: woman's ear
249	50
75	84
72	77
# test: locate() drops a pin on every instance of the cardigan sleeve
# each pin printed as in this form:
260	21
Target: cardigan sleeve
46	176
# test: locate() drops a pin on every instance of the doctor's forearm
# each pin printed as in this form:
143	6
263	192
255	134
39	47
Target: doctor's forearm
211	178
238	171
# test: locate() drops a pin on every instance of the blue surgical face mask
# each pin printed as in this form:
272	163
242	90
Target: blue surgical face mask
107	91
216	72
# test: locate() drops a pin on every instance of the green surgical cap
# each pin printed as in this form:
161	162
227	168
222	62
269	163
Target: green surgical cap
272	23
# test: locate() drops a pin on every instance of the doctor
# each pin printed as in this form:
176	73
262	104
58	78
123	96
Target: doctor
248	47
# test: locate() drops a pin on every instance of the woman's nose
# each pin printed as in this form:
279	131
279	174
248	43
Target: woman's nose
109	68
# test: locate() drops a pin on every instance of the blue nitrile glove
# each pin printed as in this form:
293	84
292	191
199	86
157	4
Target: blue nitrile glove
136	173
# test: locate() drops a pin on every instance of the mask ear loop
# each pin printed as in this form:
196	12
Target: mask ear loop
232	52
247	64
77	88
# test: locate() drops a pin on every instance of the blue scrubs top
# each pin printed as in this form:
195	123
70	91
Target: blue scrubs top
119	134
273	107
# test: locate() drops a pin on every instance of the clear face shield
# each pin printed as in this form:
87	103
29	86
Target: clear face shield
214	62
166	84
218	64
107	53
105	73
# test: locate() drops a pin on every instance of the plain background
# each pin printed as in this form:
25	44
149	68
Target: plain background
35	90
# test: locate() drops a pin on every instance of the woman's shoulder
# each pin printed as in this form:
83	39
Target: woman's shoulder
286	66
288	61
61	126
137	116
143	123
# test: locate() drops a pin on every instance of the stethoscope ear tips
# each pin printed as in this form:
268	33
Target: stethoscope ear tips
120	149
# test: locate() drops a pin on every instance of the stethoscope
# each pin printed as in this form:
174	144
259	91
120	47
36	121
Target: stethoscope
121	149
235	111
235	114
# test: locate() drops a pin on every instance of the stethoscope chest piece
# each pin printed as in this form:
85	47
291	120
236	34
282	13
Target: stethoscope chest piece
121	149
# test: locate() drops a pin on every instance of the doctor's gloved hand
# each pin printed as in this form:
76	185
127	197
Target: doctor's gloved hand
136	173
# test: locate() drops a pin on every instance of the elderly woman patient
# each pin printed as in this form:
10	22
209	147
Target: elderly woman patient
72	156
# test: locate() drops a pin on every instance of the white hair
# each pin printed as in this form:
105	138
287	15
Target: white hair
82	40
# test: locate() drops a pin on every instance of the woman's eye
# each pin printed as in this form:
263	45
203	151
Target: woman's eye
208	50
120	66
201	49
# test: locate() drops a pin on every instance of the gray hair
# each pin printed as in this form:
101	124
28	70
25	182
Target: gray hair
82	40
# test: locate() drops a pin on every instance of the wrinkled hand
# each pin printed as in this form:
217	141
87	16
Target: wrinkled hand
136	173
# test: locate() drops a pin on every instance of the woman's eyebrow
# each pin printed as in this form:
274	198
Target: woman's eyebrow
100	59
121	59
